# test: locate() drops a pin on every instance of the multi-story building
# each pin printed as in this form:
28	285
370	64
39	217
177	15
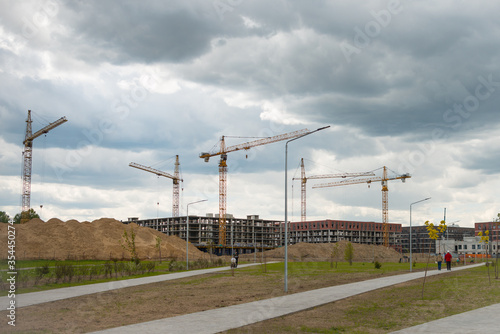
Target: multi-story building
468	247
421	243
254	233
327	231
246	235
492	227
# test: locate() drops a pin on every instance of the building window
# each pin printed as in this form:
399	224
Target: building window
473	246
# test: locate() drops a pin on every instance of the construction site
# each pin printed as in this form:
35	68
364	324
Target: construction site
224	234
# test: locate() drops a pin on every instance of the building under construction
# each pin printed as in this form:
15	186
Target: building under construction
245	235
253	233
327	231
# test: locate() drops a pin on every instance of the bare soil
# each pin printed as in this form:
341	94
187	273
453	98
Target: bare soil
325	252
97	240
166	299
100	239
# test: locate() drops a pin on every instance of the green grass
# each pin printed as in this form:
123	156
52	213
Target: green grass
26	274
393	308
320	268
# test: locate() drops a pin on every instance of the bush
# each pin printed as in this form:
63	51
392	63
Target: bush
40	272
94	271
175	266
108	269
64	271
378	265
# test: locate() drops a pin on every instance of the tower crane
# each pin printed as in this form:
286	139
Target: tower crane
223	151
385	190
304	179
175	178
28	161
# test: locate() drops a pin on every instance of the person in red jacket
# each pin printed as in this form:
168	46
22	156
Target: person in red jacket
447	258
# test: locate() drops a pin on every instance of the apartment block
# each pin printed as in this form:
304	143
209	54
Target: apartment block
327	231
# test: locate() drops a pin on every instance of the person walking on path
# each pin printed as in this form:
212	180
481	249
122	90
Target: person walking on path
439	260
447	258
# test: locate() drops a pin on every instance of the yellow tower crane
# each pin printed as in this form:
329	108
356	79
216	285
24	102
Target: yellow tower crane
28	161
385	190
304	179
175	178
223	170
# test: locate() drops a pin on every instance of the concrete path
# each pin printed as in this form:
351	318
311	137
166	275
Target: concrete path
222	319
33	298
483	320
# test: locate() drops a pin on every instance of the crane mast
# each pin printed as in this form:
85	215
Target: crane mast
303	182
385	195
175	178
223	150
28	161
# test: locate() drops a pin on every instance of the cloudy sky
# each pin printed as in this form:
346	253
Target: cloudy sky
411	85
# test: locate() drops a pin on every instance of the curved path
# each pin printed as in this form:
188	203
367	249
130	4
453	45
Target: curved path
33	298
222	319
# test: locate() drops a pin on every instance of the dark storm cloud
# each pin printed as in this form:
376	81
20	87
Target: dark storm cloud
128	31
387	87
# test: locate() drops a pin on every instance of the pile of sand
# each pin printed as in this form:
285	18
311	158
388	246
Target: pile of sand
101	238
98	240
323	252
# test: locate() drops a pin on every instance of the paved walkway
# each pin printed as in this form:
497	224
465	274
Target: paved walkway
222	319
483	320
33	298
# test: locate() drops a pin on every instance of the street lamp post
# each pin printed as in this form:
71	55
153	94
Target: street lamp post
187	231
286	200
411	261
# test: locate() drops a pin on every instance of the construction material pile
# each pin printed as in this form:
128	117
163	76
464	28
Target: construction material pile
101	239
324	252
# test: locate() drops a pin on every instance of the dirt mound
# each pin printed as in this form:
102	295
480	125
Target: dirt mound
98	240
323	252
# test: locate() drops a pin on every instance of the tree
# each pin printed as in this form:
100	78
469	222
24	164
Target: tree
334	255
349	253
434	232
497	223
129	244
158	246
485	237
4	217
31	214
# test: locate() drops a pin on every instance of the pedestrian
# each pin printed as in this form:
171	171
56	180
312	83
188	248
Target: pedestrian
447	258
236	257
439	260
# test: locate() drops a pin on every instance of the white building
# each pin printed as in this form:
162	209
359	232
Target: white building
468	246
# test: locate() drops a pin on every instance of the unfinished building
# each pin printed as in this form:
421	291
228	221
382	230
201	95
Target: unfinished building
422	243
253	233
327	231
245	235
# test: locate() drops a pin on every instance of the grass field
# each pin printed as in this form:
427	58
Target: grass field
380	311
390	309
40	275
